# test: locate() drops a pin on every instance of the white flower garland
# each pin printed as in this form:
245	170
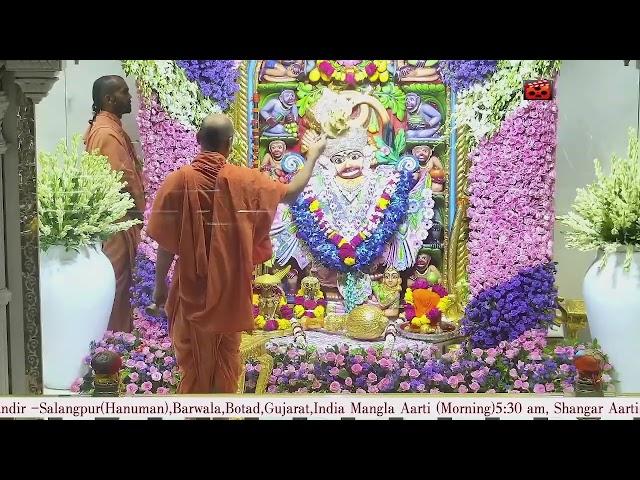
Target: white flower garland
484	106
179	96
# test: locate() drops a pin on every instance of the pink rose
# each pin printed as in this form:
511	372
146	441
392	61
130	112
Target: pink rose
356	368
334	387
132	388
404	386
372	377
539	388
348	382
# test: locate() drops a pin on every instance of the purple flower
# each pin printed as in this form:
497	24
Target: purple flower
217	79
461	74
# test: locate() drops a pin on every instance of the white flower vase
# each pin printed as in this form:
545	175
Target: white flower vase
612	299
77	290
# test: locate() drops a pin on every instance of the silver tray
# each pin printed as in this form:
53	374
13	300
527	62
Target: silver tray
429	337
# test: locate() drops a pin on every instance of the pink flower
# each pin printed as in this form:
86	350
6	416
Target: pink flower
356	368
372	377
477	352
360	391
385	363
372	389
404	386
272	389
339	359
463	389
132	388
434	390
475	386
156	376
490	360
133	376
334	371
146	386
348	382
330	356
539	388
75	388
453	381
438	378
413	373
162	391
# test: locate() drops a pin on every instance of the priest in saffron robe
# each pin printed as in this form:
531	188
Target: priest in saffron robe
111	99
215	218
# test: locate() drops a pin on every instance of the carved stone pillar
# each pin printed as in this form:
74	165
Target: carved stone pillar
24	83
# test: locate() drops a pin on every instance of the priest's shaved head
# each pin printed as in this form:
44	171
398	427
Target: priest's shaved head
216	134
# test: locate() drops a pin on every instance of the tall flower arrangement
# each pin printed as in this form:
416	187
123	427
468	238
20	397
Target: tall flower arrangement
511	187
606	214
483	106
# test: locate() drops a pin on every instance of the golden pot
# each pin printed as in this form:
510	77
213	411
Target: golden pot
366	322
334	323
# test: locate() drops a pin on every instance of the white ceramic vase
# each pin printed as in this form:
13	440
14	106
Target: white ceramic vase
77	290
612	299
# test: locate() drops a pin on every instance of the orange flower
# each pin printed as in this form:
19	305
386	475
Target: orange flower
424	300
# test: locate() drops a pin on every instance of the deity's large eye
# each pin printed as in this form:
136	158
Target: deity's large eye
353	155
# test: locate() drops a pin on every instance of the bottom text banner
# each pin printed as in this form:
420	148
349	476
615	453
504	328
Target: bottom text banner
329	407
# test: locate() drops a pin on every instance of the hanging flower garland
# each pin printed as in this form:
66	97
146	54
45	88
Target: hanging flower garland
349	73
180	97
338	253
218	79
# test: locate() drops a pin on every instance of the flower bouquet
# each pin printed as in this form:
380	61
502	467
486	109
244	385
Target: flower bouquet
424	311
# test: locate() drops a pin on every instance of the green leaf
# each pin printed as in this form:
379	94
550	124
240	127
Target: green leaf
400	142
343	373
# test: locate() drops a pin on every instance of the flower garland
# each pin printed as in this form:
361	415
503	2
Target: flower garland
338	253
511	188
218	79
371	70
502	313
425	305
180	97
483	106
283	323
461	74
311	308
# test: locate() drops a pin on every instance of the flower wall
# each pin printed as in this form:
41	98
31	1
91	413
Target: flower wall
511	275
511	187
